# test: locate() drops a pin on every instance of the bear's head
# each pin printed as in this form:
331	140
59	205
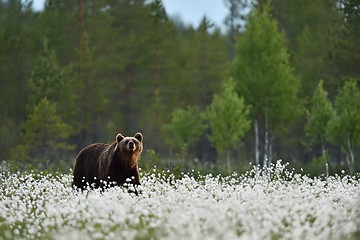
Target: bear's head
130	144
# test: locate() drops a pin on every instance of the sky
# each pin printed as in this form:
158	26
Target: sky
190	11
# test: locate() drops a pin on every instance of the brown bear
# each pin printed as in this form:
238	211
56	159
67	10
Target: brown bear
100	164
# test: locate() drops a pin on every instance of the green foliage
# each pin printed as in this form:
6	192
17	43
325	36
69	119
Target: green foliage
206	61
134	65
266	80
19	43
44	136
186	126
321	112
159	41
263	72
347	49
346	124
228	118
47	79
151	160
312	30
185	129
203	55
90	96
344	128
312	58
51	81
320	162
8	135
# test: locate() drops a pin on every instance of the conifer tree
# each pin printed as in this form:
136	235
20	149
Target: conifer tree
46	79
43	138
159	39
44	134
236	19
185	129
207	58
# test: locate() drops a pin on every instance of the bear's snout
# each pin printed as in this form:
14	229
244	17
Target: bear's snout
131	146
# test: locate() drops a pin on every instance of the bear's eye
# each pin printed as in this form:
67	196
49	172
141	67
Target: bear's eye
127	141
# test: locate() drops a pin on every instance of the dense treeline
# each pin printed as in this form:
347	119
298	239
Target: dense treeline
283	85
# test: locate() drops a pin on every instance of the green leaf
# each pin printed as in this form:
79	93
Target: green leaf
228	118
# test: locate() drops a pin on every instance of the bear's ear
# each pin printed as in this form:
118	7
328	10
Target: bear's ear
139	136
119	137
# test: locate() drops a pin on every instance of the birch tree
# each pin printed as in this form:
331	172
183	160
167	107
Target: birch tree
228	118
344	128
321	112
186	126
266	80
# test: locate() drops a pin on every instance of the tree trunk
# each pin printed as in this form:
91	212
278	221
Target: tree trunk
80	39
327	169
232	28
170	160
266	138
270	152
351	156
228	161
83	112
323	155
257	152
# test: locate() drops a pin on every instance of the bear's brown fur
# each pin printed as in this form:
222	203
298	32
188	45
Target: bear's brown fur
100	164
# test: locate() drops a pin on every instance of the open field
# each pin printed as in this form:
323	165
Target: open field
275	205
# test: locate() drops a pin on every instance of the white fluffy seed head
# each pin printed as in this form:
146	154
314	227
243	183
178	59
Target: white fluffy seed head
285	204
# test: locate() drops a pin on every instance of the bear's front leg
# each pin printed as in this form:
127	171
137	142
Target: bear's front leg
134	181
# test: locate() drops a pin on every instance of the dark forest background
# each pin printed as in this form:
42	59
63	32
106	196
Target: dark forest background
281	82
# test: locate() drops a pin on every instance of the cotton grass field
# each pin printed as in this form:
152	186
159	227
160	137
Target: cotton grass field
277	204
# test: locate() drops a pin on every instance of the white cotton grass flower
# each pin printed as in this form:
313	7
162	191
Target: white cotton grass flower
276	204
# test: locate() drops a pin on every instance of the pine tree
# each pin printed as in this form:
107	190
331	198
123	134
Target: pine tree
119	65
58	23
159	41
19	42
347	48
90	99
314	39
46	79
206	62
236	19
228	118
185	129
43	138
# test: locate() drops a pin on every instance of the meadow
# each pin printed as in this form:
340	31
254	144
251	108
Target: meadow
272	204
